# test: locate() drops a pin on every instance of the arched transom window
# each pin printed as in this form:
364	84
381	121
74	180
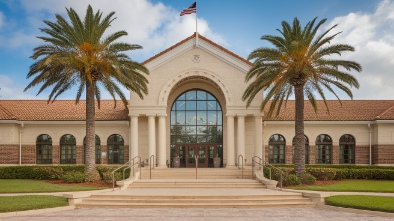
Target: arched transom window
44	149
67	149
323	149
346	149
276	149
115	149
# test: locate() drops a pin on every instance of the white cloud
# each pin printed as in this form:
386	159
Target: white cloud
12	90
154	26
373	38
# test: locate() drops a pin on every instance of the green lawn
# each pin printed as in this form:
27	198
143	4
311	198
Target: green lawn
353	186
21	203
36	186
376	203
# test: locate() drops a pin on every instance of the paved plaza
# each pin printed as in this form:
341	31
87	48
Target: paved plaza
203	214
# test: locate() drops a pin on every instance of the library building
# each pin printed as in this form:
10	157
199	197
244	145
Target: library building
195	108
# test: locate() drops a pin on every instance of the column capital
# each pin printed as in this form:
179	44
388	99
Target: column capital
151	115
241	115
162	115
134	115
230	115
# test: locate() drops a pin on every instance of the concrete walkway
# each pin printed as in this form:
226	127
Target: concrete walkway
322	212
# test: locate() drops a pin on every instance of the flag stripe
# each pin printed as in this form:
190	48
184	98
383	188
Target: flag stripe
191	9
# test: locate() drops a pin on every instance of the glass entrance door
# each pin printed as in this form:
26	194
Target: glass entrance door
205	152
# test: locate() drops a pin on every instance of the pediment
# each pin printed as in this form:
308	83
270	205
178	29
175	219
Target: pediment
202	43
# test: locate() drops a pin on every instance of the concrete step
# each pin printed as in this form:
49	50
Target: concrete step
193	201
196	205
197	183
184	193
190	173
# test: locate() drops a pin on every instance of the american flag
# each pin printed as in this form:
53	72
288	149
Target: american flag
191	9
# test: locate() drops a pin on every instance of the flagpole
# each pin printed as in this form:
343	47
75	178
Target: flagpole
196	26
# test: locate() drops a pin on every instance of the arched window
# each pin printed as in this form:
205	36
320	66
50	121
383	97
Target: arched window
276	150
323	149
196	128
306	149
67	149
44	149
347	149
97	149
115	149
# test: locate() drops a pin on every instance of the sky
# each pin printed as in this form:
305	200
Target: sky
367	25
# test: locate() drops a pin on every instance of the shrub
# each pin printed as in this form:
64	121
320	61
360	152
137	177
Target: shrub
73	177
48	173
308	178
37	172
322	173
290	180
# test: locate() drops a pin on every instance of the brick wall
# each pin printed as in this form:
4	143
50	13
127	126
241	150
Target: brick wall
362	154
9	154
29	154
312	154
335	155
289	154
383	154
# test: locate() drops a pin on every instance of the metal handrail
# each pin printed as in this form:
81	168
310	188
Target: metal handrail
265	164
150	165
130	164
196	160
242	167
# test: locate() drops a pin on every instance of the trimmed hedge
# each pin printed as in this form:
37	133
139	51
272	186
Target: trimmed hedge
332	172
38	172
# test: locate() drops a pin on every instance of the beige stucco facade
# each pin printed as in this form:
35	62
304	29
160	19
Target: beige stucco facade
205	66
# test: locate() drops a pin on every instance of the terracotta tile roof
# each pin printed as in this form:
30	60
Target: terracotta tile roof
351	110
203	38
60	110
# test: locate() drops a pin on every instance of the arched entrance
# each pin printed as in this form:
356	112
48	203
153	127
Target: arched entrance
196	129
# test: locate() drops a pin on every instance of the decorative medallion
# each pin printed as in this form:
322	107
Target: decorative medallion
196	58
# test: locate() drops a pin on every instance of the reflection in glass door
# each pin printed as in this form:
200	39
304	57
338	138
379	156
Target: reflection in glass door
196	129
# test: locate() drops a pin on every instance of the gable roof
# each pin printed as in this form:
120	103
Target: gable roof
200	37
59	110
351	110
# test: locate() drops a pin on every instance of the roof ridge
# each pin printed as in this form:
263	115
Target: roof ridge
205	39
384	112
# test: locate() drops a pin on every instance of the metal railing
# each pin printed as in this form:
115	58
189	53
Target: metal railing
151	162
196	160
263	164
242	166
129	165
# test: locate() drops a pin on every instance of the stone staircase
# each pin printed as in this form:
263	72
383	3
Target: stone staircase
179	188
190	173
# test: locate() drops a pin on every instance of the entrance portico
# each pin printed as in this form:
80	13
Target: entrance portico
172	122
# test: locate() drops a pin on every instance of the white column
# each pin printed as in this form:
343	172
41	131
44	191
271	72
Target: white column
152	136
241	136
134	135
230	141
162	153
258	148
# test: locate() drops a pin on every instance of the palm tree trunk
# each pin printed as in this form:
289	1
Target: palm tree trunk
90	132
299	141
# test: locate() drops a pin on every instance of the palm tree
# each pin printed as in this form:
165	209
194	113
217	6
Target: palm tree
299	64
76	53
